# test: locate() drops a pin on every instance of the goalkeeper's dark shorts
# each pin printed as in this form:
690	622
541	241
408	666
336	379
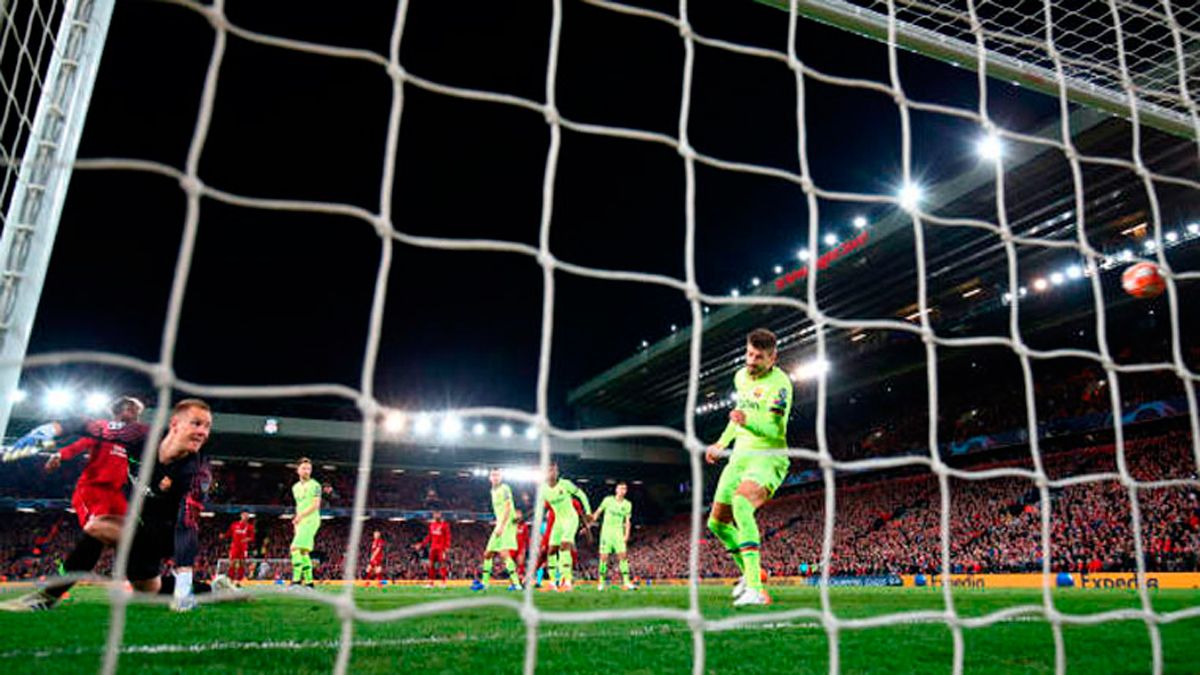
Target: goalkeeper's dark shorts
187	545
153	543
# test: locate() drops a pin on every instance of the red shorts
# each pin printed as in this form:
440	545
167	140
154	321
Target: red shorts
237	552
437	555
94	501
376	561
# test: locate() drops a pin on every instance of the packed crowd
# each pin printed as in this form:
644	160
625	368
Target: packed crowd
894	525
882	524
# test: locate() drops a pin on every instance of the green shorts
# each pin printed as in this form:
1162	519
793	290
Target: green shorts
765	470
612	543
565	527
306	533
504	542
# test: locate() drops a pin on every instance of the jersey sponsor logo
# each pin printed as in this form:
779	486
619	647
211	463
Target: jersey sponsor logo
118	451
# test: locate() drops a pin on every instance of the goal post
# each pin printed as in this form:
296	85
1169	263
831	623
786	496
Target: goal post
36	183
1015	49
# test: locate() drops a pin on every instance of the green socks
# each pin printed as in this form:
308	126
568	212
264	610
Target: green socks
747	530
565	561
624	565
727	534
302	570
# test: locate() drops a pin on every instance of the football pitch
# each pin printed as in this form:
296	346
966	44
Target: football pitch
291	634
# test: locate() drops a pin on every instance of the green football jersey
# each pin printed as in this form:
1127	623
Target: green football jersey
501	497
559	497
616	513
305	492
766	402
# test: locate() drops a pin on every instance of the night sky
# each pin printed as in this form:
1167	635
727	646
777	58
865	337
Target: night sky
283	298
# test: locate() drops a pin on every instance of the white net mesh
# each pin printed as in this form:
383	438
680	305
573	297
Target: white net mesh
26	42
1125	47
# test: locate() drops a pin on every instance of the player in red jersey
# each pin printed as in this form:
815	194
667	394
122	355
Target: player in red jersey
99	497
544	547
241	536
438	540
522	543
375	562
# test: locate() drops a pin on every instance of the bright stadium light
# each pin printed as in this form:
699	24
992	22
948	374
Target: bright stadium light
1074	272
734	293
1171	237
802	254
779	269
423	426
58	399
521	474
1193	229
860	222
1022	292
990	147
95	402
756	282
1057	278
1040	284
451	427
479	429
644	344
506	431
1150	245
17	395
910	195
674	328
531	433
810	370
1125	254
831	239
393	422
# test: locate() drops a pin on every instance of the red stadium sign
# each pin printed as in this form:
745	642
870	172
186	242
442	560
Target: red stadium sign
840	251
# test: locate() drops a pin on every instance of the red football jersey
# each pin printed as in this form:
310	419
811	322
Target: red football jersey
439	535
522	535
240	534
107	443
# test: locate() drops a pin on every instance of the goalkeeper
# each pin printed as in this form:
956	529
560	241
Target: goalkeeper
757	423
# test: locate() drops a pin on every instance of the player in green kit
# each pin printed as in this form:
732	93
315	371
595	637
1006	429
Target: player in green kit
560	493
307	493
504	535
757	423
614	533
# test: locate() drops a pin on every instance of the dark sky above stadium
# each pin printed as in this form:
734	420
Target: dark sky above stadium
278	298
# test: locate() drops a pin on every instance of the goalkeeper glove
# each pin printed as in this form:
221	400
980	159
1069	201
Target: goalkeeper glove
44	433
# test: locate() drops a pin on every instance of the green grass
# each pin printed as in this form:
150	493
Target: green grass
294	635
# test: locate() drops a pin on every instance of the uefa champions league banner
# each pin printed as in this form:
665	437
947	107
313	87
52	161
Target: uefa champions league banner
1105	581
866	580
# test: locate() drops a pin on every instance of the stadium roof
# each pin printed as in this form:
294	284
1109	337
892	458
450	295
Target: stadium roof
280	439
877	277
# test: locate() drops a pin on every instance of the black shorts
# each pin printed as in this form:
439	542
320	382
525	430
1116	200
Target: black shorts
187	545
153	543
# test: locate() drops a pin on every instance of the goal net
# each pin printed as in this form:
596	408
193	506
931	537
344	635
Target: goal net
1138	60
